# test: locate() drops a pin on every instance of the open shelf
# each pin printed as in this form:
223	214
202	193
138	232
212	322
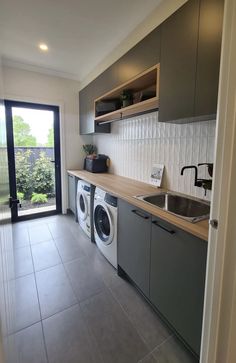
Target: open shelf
148	80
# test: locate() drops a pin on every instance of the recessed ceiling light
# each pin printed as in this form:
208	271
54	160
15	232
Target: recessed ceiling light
43	47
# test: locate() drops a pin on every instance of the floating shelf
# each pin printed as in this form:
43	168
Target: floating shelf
149	79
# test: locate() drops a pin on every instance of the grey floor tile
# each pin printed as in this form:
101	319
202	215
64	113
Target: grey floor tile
29	346
69	248
39	233
146	321
59	229
173	351
104	269
17	226
83	278
85	243
149	359
36	222
20	237
55	291
23	261
116	337
55	218
45	255
68	339
25	302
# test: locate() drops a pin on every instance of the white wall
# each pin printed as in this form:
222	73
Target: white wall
135	144
34	87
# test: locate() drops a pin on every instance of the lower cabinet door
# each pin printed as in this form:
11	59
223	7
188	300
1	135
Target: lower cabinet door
134	234
177	279
72	193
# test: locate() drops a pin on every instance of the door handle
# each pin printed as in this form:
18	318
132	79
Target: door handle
140	214
171	231
13	202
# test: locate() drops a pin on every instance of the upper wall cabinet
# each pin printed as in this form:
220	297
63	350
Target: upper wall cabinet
138	59
141	94
187	46
208	59
86	111
142	56
190	59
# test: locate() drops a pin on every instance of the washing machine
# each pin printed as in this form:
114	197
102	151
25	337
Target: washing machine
105	224
83	206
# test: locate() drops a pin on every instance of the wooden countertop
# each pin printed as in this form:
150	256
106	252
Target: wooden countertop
126	188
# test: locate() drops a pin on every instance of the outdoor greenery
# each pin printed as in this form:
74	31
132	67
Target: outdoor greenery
39	198
22	135
34	172
43	175
37	178
23	174
20	195
50	142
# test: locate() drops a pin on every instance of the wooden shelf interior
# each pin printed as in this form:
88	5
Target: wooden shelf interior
146	80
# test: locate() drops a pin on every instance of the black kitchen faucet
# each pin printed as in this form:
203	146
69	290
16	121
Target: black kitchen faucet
202	183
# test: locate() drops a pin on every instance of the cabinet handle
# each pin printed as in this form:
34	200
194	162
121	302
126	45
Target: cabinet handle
140	214
171	231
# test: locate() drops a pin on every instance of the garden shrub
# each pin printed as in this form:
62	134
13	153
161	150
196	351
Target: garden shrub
20	195
43	175
23	174
39	198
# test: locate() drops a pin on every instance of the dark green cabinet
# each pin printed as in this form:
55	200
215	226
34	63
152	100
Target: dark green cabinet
179	36
177	279
208	59
188	46
72	187
190	60
86	110
135	61
134	233
142	56
168	265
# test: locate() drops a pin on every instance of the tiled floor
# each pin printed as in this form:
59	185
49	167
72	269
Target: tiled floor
71	307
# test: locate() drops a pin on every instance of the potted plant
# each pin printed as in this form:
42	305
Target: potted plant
126	98
90	150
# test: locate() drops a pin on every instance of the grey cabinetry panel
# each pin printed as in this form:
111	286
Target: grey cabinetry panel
72	186
177	279
179	36
141	57
85	126
107	80
134	233
190	61
86	110
208	60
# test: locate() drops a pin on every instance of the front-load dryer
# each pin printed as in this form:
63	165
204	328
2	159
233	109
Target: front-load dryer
105	224
83	206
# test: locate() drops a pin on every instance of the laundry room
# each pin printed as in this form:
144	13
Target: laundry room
117	140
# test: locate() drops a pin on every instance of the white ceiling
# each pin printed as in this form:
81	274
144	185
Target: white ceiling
79	33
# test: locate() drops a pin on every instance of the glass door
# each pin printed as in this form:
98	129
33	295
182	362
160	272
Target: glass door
34	159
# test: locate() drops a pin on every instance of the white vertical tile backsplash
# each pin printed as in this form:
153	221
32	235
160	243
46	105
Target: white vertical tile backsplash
135	144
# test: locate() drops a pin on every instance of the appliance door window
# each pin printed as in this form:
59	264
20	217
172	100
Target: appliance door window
103	224
82	206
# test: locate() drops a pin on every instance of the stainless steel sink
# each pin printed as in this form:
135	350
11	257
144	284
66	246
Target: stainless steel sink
188	208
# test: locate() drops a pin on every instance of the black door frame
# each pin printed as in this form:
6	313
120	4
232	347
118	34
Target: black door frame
11	156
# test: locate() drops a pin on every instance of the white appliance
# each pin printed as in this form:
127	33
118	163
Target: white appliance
83	206
105	224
